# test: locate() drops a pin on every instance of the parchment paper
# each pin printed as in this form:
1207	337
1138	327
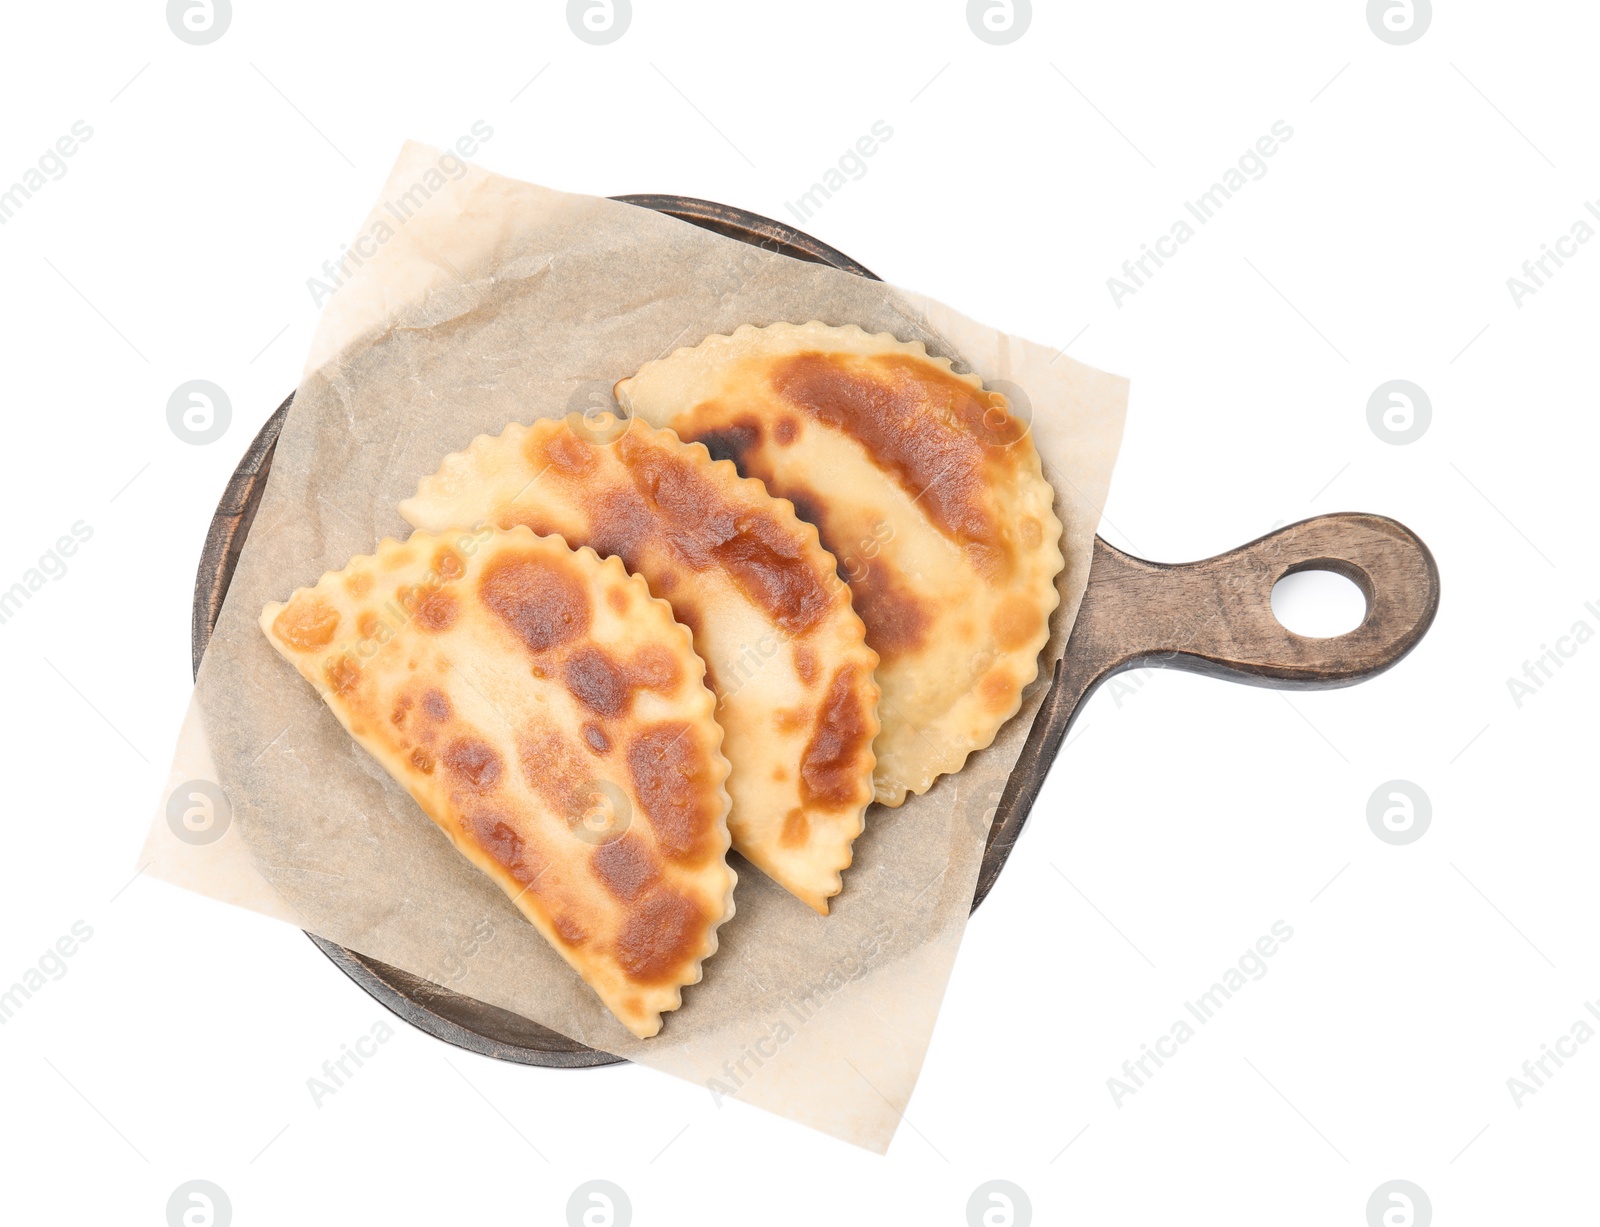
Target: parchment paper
481	300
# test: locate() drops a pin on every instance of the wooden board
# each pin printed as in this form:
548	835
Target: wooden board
1213	617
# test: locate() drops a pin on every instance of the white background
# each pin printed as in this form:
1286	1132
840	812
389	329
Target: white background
1187	814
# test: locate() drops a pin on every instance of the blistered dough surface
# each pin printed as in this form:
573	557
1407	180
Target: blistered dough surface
551	717
784	650
926	489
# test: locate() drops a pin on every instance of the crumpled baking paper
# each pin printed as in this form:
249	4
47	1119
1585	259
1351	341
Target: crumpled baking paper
469	300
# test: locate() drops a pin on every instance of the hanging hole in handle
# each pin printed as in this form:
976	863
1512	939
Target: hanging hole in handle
1321	599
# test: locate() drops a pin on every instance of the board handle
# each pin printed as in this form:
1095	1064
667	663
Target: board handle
1215	617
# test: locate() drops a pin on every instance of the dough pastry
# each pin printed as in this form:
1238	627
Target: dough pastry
923	486
785	652
552	718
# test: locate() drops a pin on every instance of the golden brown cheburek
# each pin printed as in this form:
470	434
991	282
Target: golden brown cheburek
923	485
785	652
551	717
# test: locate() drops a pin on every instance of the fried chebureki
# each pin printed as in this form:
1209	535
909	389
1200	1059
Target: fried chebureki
923	485
551	717
784	650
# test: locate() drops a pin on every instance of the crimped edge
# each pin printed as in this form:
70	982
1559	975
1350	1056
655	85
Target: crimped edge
707	712
869	659
813	327
708	348
516	435
1055	563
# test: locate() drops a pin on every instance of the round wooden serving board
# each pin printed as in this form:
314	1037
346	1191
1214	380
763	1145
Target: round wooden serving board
1212	617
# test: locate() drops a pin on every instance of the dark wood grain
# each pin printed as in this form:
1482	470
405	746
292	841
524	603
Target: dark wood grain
1212	617
230	526
1215	617
752	228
